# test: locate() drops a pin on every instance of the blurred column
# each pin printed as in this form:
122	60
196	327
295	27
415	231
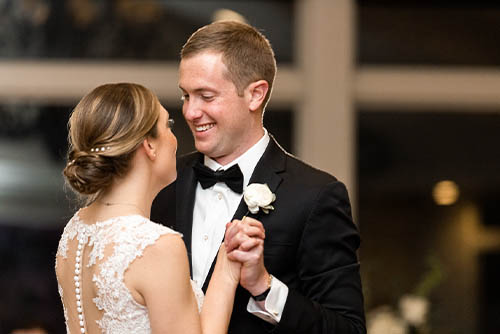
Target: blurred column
325	128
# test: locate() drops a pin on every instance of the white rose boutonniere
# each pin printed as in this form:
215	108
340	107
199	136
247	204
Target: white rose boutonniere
258	195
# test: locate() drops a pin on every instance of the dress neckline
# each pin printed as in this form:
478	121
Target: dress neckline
77	219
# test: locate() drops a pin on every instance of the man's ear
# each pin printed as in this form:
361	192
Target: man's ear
257	93
150	148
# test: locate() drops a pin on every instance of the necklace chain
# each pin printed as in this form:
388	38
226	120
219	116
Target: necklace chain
125	204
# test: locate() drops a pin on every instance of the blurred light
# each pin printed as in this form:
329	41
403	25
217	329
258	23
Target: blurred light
445	192
224	14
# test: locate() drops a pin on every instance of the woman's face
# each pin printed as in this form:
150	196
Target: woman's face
166	149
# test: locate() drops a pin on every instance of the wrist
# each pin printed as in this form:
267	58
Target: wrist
262	285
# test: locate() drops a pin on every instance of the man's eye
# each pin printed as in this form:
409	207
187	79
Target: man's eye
185	97
207	97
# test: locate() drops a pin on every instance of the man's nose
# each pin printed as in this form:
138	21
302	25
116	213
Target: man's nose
191	110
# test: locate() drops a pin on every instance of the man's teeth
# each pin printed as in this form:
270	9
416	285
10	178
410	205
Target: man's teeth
204	127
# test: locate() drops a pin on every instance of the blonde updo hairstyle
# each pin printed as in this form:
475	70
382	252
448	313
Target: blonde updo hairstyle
105	129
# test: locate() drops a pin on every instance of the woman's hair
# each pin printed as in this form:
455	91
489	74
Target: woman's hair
105	129
246	53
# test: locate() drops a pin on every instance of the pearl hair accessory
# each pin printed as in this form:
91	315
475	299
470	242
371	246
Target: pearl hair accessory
100	149
93	150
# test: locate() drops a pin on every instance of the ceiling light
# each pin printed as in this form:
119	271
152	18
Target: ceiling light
445	192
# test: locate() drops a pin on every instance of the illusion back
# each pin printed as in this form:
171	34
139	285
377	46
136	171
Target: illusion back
91	262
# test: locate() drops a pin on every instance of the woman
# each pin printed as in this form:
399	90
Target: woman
118	272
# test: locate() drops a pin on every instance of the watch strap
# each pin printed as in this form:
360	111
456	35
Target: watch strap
264	294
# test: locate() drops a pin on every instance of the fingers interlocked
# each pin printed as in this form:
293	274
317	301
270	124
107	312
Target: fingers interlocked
244	234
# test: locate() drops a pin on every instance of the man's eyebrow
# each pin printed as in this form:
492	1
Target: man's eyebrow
201	89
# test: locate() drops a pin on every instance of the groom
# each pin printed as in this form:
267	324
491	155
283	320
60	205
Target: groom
305	278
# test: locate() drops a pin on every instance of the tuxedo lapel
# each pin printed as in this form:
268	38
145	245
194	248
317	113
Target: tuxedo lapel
186	193
267	171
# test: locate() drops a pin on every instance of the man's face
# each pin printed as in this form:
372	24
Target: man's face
218	117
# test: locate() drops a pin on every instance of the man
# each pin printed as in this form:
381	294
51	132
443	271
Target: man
305	278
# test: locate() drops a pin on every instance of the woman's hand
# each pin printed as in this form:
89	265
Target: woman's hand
228	268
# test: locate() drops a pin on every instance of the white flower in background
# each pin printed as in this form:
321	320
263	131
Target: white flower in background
258	195
414	309
383	320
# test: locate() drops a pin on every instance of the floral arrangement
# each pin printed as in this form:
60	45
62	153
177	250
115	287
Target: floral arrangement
413	308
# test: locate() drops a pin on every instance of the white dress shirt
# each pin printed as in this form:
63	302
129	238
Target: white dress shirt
214	207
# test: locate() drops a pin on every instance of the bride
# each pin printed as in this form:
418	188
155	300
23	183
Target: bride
117	271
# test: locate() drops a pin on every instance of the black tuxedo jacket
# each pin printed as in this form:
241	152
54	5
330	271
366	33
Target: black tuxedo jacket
311	243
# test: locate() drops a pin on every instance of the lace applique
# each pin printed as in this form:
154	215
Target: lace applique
59	288
69	233
199	295
129	237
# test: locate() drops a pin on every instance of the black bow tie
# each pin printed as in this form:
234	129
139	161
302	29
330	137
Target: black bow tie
232	177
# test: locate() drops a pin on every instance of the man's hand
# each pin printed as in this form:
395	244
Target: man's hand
244	242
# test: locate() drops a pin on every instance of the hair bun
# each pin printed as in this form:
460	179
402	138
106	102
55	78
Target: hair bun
89	173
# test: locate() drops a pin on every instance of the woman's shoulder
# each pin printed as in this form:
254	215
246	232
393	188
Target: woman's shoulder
159	247
143	229
136	236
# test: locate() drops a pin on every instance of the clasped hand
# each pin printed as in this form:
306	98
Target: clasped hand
244	243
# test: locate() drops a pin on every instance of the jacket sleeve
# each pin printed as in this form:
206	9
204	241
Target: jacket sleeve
330	298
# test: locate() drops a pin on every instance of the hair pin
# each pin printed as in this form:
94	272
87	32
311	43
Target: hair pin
101	149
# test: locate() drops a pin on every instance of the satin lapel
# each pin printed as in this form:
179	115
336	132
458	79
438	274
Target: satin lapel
186	192
266	171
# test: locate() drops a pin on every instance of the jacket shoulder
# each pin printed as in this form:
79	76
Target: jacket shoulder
306	172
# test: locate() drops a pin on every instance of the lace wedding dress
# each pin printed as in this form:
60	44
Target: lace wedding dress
97	299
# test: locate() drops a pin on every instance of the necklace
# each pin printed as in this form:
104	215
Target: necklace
124	204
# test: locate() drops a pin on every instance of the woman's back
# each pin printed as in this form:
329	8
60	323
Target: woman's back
91	266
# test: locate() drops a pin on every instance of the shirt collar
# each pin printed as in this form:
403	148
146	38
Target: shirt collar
247	161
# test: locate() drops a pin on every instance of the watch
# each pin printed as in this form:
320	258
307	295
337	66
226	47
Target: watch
264	294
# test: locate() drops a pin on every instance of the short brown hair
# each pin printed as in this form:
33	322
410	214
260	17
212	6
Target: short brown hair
105	129
246	53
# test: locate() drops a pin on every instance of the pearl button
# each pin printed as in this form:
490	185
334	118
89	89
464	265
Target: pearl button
77	278
79	309
82	330
77	284
81	323
77	271
80	246
78	297
78	303
77	291
219	196
80	316
205	237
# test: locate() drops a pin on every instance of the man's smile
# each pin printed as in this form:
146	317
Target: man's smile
204	127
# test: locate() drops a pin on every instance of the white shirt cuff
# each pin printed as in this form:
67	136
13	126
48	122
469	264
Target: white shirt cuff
274	303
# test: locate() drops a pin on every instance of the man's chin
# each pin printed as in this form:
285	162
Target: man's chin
203	148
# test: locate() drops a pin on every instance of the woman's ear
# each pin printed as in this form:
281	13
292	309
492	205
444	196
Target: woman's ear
149	147
257	93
